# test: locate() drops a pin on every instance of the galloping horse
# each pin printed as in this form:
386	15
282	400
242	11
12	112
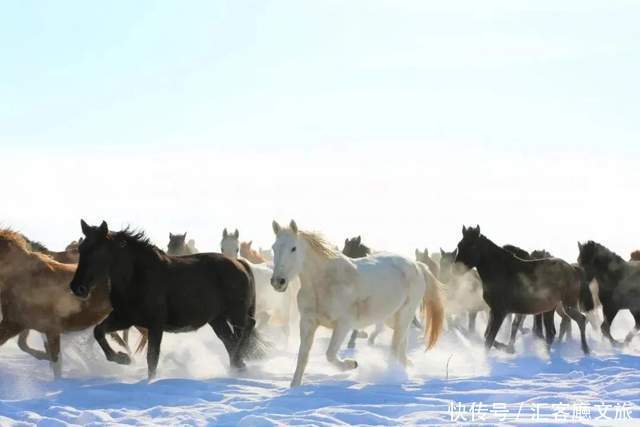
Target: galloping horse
345	294
513	285
34	295
618	285
160	292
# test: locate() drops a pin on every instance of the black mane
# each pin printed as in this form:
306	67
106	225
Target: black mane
135	237
594	249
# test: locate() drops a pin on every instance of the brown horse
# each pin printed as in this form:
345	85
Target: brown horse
69	256
635	255
250	254
34	294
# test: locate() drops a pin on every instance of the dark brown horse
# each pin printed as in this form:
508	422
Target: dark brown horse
164	293
514	285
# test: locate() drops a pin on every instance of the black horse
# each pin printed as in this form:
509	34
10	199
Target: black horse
162	293
514	285
618	285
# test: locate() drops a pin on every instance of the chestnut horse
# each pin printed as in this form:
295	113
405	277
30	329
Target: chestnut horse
34	294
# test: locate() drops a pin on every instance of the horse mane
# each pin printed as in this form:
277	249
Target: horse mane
635	255
34	245
134	237
25	245
517	251
319	244
596	249
20	240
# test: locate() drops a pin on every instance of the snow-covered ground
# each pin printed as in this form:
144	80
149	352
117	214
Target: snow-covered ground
196	388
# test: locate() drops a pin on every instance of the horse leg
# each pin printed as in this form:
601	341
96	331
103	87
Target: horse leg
573	312
243	325
565	325
636	329
8	330
144	337
352	340
337	337
549	326
379	329
609	310
537	326
472	321
515	327
496	317
53	347
153	350
399	338
122	342
110	324
224	332
308	328
24	346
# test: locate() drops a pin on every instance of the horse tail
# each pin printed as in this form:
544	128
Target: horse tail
586	298
432	309
255	346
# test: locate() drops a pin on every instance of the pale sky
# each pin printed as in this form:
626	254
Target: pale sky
397	120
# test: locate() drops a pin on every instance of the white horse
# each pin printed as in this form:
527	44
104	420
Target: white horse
345	294
271	307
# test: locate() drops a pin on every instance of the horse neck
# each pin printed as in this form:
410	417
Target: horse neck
490	256
313	267
614	269
146	258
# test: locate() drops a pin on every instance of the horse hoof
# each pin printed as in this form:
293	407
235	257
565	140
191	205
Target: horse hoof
121	358
351	364
510	349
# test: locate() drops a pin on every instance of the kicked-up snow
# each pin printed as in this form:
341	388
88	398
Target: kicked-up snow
454	383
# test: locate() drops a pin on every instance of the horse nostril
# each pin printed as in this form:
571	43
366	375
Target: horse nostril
282	281
82	290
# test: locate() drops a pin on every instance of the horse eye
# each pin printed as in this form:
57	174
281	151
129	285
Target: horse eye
293	249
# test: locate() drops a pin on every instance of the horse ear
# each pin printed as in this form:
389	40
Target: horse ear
579	246
224	233
346	241
86	229
441	252
184	236
236	233
293	226
426	252
477	230
359	239
104	228
455	252
464	230
249	244
275	226
170	235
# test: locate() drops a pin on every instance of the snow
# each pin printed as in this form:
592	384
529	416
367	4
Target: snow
196	388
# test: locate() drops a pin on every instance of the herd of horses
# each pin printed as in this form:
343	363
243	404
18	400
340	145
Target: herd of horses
115	280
